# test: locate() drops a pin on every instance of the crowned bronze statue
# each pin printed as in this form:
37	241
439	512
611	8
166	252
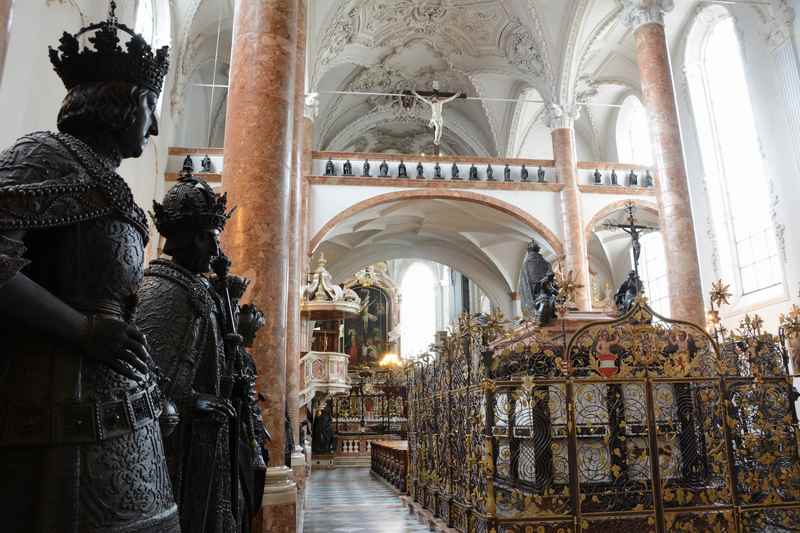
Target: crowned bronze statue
80	443
489	173
206	164
347	169
402	172
191	338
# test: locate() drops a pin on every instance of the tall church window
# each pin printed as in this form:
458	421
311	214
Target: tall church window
653	272
417	310
633	133
738	188
153	23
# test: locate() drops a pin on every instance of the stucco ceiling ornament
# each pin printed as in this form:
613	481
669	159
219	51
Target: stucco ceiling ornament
780	21
522	50
638	12
561	116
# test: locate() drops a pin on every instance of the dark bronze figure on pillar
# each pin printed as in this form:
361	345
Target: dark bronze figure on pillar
534	269
80	444
401	170
184	319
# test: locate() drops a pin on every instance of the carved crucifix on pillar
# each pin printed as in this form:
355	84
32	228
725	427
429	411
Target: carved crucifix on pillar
436	101
635	231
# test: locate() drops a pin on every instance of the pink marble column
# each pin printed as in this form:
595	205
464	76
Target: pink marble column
5	30
295	232
677	226
257	175
566	161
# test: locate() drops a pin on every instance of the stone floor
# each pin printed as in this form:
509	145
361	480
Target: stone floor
350	500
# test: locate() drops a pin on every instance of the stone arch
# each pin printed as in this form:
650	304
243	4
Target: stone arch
532	222
616	206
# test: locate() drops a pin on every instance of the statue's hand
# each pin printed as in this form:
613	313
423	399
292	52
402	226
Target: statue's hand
213	405
119	345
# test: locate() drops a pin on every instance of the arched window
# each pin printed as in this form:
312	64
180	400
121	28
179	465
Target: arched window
417	311
633	133
653	272
738	189
153	23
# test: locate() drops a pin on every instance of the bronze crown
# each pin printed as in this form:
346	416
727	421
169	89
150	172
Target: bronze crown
108	61
190	205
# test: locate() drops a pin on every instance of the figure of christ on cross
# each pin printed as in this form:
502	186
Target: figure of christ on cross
436	101
635	231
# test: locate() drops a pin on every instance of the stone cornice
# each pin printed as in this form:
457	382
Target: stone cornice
639	12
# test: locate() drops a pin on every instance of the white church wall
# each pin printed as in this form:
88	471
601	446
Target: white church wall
774	83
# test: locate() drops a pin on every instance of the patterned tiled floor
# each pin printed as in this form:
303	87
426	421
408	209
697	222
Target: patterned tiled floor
349	500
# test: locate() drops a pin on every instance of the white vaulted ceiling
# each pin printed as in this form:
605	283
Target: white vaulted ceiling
483	243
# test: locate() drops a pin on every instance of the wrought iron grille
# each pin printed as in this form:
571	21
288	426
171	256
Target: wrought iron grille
641	424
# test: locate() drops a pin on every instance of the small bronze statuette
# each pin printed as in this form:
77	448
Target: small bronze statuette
454	172
614	180
598	177
633	179
365	169
330	169
473	173
384	169
347	168
489	173
205	164
523	173
437	172
188	164
420	171
540	175
401	170
506	173
648	179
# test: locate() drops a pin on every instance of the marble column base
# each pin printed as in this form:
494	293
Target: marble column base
279	505
299	471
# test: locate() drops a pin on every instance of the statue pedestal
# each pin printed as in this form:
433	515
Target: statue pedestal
279	504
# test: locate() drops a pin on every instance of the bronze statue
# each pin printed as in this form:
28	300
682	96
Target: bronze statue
534	268
614	180
546	290
80	444
598	177
188	164
420	171
437	172
323	439
506	174
183	317
489	173
473	173
347	169
628	291
633	179
384	169
401	170
523	173
330	169
454	172
647	181
205	164
241	324
365	169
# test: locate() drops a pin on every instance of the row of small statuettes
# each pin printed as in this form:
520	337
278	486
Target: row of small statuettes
632	179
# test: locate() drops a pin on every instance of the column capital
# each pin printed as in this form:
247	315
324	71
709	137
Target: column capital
638	12
559	116
311	107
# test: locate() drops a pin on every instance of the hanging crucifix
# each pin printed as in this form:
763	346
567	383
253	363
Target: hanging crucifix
436	101
635	231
